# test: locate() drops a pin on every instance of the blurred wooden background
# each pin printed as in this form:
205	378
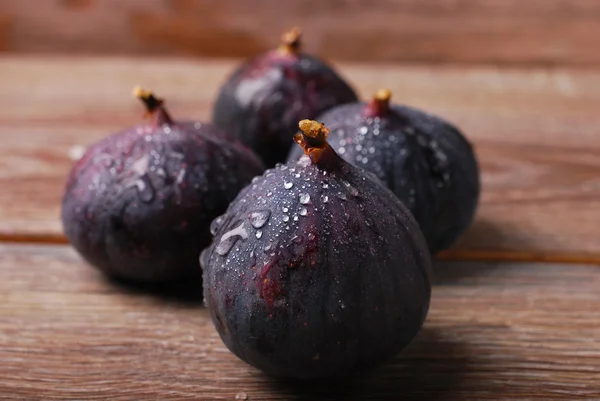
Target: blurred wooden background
509	32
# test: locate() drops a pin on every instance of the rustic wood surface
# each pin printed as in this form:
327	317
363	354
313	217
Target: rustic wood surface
465	31
536	134
494	332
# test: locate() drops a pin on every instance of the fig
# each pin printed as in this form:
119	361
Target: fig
263	100
316	268
138	204
424	160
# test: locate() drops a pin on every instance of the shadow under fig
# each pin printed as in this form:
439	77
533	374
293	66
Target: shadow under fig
490	235
431	368
187	292
482	235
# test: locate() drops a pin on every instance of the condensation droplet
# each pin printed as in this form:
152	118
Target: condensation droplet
286	218
285	209
76	152
215	225
304	199
311	236
288	185
303	212
363	130
341	151
269	193
229	239
325	186
295	218
324	198
259	218
258	234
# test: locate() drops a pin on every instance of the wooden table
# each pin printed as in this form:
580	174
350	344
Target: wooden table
515	311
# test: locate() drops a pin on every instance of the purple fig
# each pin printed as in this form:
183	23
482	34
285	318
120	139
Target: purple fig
316	268
424	160
139	203
263	100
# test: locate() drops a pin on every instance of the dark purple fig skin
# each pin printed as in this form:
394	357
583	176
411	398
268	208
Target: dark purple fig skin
139	203
424	160
263	100
316	271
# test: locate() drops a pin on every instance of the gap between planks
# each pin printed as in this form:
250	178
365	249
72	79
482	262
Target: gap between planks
448	255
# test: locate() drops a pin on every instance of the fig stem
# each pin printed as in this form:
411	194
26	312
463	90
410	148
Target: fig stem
313	134
290	41
380	104
154	106
313	139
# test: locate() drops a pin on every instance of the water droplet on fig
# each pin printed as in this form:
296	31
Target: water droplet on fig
259	218
288	185
215	225
286	218
258	234
303	212
324	198
229	239
305	199
225	246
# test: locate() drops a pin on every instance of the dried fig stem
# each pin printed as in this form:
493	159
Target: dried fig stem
380	104
313	139
290	41
154	106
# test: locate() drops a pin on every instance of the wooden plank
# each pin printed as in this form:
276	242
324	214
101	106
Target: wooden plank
536	135
495	331
460	31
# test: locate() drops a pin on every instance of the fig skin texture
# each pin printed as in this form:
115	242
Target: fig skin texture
139	203
424	160
316	268
263	100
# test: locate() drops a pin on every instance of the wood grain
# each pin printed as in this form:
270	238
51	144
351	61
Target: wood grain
535	131
494	332
513	32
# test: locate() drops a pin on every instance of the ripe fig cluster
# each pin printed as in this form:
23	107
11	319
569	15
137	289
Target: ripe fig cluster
312	268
